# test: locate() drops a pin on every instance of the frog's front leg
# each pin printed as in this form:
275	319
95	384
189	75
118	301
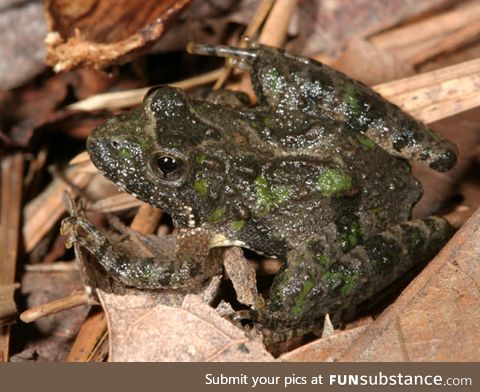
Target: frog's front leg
312	284
135	263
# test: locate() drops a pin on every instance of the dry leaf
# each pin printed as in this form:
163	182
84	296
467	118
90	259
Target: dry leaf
327	349
104	32
145	331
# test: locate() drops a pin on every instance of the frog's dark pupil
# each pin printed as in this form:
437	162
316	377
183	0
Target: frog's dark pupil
167	164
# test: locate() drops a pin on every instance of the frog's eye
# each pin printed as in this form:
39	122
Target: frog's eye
168	166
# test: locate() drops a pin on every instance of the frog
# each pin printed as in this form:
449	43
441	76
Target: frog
316	174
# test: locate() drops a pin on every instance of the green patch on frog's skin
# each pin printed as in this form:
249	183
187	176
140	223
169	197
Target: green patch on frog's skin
339	277
126	153
200	158
350	97
237	225
268	121
201	187
269	197
299	301
365	141
216	216
333	183
351	236
350	283
324	260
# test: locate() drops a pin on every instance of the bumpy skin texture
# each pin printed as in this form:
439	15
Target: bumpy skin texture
315	174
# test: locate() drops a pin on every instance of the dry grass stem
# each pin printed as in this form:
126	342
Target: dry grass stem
437	94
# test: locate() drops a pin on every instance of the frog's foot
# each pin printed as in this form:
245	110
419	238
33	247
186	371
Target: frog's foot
136	261
311	286
240	57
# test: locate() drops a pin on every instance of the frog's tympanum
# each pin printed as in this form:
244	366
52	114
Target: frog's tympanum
316	174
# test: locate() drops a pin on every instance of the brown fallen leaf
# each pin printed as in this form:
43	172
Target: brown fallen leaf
327	349
103	32
436	317
136	321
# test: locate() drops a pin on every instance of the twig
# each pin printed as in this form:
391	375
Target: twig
258	18
10	210
274	31
130	98
71	301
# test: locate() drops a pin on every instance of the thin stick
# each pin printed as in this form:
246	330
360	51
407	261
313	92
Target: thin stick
130	98
274	31
59	305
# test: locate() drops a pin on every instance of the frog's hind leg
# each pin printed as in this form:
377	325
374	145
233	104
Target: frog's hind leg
312	285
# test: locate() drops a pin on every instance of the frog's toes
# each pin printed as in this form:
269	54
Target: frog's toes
240	57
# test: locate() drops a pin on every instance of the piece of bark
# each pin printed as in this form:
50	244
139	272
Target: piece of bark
436	317
103	32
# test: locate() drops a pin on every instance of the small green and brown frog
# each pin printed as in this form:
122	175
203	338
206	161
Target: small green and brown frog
316	174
